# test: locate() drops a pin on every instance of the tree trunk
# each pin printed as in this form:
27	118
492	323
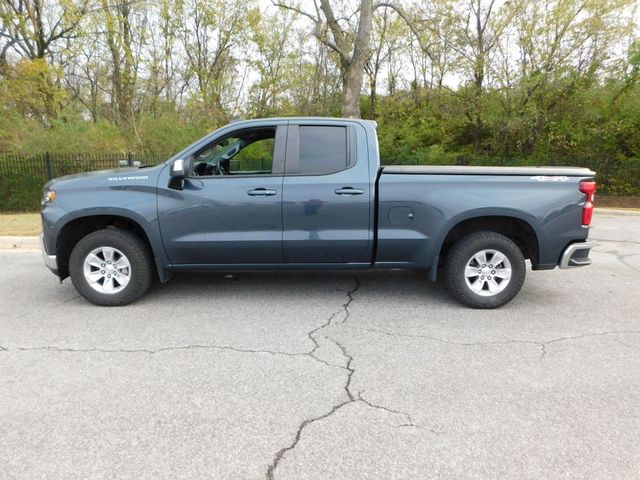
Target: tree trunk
355	72
126	112
119	41
373	98
478	77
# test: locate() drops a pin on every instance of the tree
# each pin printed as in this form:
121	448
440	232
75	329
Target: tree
385	38
163	84
275	61
351	49
447	80
32	28
213	29
87	77
563	47
31	87
118	17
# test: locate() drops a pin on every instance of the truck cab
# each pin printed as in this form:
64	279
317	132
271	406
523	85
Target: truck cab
279	191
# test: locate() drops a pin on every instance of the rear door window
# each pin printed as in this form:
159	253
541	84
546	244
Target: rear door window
323	149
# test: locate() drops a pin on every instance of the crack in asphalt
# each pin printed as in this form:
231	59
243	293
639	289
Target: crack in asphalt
626	344
350	294
541	344
351	398
343	314
48	308
164	349
344	308
349	368
621	257
309	421
280	454
409	422
173	348
614	241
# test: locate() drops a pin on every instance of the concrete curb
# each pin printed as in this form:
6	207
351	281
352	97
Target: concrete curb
19	243
616	211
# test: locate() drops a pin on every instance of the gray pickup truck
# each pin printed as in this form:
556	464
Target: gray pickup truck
309	193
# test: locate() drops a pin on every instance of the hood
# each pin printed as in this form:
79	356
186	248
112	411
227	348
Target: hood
116	175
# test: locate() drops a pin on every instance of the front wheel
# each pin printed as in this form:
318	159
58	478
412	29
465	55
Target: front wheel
111	267
484	270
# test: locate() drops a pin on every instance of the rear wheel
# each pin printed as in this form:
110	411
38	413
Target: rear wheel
111	267
484	270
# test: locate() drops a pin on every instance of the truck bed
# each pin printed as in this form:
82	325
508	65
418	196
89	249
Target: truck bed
463	170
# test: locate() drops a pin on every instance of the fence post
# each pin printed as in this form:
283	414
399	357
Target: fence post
130	159
47	161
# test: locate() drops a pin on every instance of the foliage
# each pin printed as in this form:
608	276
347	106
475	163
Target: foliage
32	89
448	81
20	192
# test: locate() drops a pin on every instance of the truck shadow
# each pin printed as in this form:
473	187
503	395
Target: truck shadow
300	286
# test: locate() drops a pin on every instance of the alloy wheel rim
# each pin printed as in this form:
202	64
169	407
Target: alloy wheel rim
488	272
107	270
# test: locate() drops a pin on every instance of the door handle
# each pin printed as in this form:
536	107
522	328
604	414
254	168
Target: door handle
349	191
261	192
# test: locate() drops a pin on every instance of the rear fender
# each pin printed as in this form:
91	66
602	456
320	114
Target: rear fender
439	241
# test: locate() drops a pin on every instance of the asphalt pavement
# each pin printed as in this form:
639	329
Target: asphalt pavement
316	375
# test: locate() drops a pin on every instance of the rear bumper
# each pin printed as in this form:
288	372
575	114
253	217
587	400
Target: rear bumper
49	260
576	255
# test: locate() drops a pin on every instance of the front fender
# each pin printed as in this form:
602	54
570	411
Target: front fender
145	218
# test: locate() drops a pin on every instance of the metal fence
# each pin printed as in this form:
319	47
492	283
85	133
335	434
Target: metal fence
22	176
50	166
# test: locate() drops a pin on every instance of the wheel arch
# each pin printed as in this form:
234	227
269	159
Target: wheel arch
78	227
520	230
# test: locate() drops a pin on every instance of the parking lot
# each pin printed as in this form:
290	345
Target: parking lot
315	375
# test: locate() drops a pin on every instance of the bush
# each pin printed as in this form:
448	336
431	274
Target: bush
20	192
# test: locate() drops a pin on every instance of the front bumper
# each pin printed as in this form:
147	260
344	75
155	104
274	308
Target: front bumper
576	255
49	260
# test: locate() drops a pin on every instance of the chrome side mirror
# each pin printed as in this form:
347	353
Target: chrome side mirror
177	168
177	175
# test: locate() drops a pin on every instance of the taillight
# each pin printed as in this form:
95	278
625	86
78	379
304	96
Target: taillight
588	188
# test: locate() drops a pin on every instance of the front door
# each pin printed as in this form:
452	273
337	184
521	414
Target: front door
230	210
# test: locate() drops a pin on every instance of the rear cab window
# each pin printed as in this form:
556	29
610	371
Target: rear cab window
319	149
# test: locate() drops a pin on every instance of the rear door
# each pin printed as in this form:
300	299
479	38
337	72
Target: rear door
326	207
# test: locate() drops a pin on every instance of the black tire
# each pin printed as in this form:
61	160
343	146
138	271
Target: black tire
461	254
136	252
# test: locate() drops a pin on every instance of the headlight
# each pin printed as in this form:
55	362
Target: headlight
49	196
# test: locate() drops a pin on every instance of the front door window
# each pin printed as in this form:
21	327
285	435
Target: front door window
248	152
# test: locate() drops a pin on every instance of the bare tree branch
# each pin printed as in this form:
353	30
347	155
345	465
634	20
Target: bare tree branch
411	23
